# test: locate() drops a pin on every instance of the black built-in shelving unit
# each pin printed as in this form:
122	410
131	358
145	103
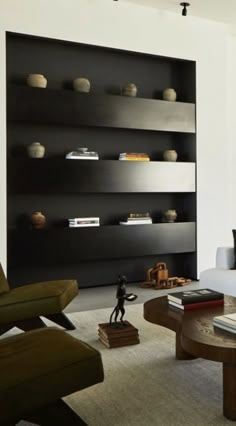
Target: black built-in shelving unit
108	123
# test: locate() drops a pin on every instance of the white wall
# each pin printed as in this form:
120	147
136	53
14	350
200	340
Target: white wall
125	26
230	143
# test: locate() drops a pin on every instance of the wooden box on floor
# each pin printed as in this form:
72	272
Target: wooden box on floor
115	336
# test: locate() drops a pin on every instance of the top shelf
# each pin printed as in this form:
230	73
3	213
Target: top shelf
66	107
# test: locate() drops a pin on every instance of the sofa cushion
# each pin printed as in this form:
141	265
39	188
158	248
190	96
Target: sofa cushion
223	280
43	298
41	366
225	257
4	287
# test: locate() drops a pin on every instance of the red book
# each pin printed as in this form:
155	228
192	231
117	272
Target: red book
197	305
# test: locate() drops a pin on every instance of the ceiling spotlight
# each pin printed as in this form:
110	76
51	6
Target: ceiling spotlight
185	5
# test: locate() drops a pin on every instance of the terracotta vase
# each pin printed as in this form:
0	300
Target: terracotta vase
170	216
38	220
37	80
36	150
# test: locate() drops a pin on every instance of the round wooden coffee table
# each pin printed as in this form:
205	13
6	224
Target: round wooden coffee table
197	338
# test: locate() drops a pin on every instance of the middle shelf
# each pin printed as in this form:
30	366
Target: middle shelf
54	175
63	246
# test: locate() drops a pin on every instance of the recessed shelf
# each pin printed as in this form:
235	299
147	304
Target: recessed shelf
66	107
65	245
106	122
104	176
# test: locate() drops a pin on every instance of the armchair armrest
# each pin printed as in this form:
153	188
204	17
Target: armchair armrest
225	257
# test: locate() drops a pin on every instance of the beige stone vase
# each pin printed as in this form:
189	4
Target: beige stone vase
170	155
36	150
169	94
37	80
170	216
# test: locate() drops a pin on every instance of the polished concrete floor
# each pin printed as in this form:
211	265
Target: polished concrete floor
105	297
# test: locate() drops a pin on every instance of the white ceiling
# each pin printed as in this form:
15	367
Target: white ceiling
217	10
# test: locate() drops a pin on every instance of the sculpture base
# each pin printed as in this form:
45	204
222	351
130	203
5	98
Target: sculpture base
118	334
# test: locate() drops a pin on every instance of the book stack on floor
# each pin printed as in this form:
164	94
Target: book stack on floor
117	335
137	219
226	322
79	222
195	299
134	156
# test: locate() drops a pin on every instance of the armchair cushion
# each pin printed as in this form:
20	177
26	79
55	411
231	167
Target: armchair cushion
41	366
35	300
4	287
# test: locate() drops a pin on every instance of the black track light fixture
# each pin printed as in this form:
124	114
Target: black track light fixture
184	5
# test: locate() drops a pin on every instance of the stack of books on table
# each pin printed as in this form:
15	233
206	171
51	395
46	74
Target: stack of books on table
134	156
137	219
226	322
195	299
114	336
79	222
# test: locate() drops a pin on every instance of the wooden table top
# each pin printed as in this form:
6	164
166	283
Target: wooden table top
198	336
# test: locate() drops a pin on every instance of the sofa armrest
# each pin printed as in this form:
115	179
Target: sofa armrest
225	257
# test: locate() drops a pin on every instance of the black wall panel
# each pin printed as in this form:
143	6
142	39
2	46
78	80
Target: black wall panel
108	123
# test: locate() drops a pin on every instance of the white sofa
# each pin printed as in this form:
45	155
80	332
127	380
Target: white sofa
221	278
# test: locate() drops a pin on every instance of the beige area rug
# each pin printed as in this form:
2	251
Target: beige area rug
144	384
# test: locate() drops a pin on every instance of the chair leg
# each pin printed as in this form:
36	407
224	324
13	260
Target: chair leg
61	319
56	414
25	325
30	324
4	328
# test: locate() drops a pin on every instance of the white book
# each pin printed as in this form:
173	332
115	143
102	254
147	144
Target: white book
224	327
227	320
82	158
231	317
137	222
83	221
176	305
83	225
84	218
138	219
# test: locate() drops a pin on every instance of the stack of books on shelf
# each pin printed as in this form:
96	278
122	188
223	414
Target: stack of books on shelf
134	156
115	337
82	154
137	219
195	299
226	322
79	222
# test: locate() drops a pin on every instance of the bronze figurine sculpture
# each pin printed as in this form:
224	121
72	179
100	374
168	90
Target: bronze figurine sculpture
121	296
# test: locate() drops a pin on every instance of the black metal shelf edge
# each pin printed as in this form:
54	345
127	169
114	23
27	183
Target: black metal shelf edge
66	107
65	246
108	176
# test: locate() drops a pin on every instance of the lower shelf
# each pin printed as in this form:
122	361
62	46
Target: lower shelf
63	246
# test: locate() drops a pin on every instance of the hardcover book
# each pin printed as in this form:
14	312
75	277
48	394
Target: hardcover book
115	337
224	327
193	296
136	222
228	320
197	305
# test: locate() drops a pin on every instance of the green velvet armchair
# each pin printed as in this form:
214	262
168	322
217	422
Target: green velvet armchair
23	306
37	369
